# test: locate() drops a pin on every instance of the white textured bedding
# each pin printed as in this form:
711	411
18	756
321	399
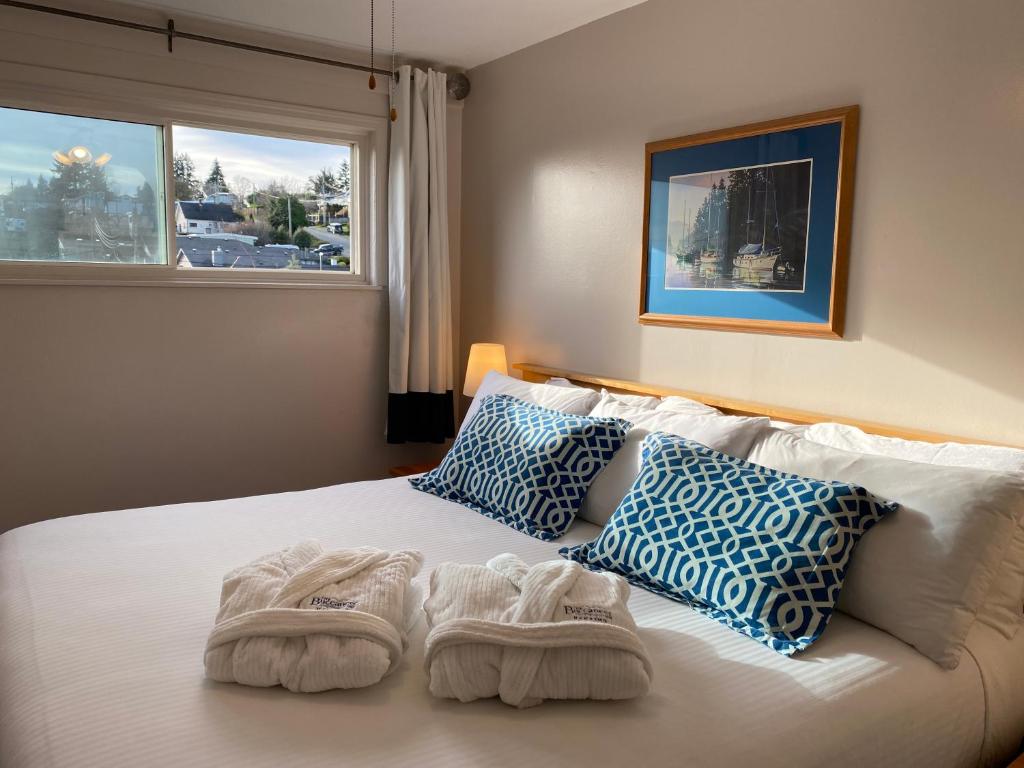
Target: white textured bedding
103	620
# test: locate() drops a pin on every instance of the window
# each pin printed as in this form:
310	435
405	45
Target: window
112	183
245	202
79	189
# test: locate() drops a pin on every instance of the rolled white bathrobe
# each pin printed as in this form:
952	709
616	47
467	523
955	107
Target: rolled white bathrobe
311	620
553	631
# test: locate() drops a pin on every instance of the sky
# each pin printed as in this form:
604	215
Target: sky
259	159
29	139
685	195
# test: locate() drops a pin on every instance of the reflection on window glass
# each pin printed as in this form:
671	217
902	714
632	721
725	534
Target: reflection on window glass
80	189
260	202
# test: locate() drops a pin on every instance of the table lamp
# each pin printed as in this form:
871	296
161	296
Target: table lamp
483	358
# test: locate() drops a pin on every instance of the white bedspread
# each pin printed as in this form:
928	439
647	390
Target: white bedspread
103	620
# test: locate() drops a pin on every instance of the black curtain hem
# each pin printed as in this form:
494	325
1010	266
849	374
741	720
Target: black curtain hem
421	417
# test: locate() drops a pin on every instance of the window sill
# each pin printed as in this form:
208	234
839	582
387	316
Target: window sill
178	280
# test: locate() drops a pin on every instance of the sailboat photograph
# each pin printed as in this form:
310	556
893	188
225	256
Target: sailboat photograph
739	228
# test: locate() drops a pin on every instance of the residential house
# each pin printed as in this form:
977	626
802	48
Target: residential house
193	217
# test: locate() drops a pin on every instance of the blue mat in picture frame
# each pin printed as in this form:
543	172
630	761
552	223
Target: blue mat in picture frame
747	229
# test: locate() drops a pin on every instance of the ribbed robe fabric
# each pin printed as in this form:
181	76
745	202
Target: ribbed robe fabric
526	634
420	376
311	620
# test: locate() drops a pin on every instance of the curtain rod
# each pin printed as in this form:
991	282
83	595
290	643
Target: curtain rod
170	33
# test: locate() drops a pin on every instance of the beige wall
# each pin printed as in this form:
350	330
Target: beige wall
115	397
553	178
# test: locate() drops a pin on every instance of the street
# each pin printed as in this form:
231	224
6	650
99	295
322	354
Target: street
324	234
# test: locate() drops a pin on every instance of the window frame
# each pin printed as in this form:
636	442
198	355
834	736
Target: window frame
85	95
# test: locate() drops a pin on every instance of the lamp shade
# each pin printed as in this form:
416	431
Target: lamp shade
483	358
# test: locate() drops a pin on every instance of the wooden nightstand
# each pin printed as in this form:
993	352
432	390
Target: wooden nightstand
1018	763
411	469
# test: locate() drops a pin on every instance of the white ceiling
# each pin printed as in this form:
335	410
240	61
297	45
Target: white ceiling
460	33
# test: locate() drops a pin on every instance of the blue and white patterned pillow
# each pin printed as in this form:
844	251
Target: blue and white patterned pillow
761	551
523	465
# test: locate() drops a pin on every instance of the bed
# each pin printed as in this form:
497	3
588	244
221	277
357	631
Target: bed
103	620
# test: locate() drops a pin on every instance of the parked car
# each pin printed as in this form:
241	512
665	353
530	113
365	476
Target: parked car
330	249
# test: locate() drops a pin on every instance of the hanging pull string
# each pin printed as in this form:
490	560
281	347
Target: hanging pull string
390	82
373	80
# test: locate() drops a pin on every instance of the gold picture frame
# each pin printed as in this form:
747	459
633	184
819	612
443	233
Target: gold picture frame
829	318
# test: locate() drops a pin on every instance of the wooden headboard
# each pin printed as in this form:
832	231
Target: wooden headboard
541	373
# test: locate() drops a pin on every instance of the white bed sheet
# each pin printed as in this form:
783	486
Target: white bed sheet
103	620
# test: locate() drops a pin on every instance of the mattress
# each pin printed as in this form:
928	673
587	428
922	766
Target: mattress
103	620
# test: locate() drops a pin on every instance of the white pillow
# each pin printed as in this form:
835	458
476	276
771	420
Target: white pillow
578	401
1004	607
677	404
559	381
612	482
923	573
642	402
728	434
994	457
799	430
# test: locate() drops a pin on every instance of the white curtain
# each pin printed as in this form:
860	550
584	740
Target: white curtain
420	404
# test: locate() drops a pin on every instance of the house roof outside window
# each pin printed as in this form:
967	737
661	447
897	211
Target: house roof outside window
197	211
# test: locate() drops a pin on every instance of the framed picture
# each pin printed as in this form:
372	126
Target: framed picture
748	228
